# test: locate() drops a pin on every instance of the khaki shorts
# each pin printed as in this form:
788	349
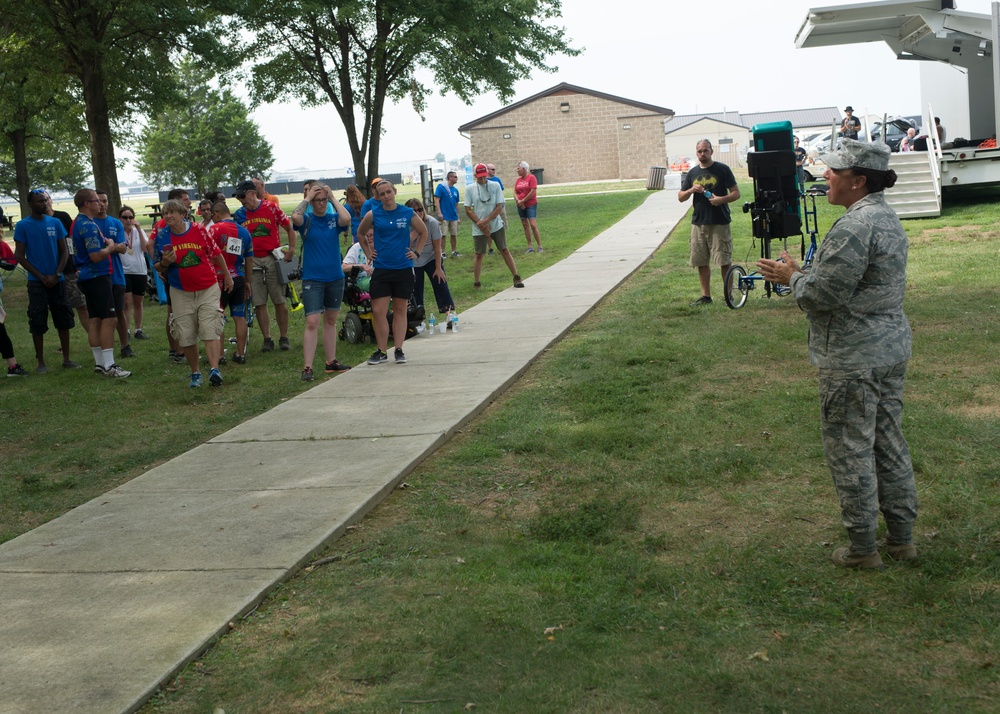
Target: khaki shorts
499	239
711	244
196	315
264	282
449	228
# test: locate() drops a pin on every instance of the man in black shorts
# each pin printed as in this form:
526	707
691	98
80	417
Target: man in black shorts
40	247
93	263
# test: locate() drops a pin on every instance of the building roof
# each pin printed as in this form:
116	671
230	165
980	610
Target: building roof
819	116
567	89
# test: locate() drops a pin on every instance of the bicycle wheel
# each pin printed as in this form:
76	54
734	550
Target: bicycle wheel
780	290
736	287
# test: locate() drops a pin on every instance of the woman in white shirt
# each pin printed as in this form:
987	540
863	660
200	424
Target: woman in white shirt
134	265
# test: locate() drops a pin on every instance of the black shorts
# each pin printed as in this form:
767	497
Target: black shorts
100	298
118	292
136	284
42	301
235	298
391	283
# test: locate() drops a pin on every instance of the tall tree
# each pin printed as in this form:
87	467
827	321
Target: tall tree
121	53
207	142
355	54
40	122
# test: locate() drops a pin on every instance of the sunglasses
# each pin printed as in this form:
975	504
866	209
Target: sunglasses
92	200
127	218
37	191
418	209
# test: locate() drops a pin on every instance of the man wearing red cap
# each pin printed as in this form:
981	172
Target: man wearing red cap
484	204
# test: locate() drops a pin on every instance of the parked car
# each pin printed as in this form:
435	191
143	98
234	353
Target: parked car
896	128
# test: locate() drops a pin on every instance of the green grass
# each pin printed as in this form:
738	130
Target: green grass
644	524
71	436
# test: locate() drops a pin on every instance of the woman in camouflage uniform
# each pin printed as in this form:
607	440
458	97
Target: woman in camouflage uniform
860	341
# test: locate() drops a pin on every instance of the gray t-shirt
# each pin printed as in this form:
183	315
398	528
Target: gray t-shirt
483	199
433	233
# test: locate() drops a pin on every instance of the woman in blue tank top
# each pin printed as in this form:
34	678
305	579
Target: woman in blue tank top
398	235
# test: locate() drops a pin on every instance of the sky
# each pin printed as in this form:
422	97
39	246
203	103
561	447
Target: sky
736	55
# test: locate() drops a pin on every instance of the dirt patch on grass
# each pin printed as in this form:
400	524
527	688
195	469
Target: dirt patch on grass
953	234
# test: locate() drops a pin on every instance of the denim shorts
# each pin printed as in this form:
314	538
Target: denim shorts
318	296
526	213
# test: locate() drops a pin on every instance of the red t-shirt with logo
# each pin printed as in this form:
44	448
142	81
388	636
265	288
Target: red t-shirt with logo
263	223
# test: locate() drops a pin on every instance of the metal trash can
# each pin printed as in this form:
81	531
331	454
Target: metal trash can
655	180
537	173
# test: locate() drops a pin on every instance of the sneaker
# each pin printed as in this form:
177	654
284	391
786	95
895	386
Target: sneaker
541	250
116	372
307	374
847	558
518	283
901	552
400	357
70	364
378	357
489	252
98	369
41	369
215	377
455	254
268	345
17	371
240	359
529	250
223	361
703	300
176	357
127	351
195	380
336	366
283	344
140	335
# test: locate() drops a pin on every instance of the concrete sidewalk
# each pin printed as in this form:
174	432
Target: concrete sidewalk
105	603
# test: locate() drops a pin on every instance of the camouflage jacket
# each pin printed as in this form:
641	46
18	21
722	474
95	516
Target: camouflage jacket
853	292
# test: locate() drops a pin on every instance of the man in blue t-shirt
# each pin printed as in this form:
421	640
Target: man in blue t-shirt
446	200
40	247
714	187
115	230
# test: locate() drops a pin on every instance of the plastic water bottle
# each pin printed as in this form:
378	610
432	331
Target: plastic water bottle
431	324
454	322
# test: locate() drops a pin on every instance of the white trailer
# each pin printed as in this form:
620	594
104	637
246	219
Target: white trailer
964	75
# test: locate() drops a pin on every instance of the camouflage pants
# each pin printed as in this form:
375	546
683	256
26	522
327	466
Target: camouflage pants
861	411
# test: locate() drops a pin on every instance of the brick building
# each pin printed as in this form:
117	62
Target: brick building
574	134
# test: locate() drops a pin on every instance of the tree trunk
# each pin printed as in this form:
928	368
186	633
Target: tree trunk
18	141
102	149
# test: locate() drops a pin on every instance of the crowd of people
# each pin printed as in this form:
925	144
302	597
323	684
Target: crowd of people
95	269
859	338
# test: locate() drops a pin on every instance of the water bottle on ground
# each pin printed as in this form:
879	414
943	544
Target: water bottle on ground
431	324
454	322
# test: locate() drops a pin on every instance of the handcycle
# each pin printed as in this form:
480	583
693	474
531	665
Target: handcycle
740	282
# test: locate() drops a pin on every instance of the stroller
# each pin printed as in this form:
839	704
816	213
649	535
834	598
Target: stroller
359	321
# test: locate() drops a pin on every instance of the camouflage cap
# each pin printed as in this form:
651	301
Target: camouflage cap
858	155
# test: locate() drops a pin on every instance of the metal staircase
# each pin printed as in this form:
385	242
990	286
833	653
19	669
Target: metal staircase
917	193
